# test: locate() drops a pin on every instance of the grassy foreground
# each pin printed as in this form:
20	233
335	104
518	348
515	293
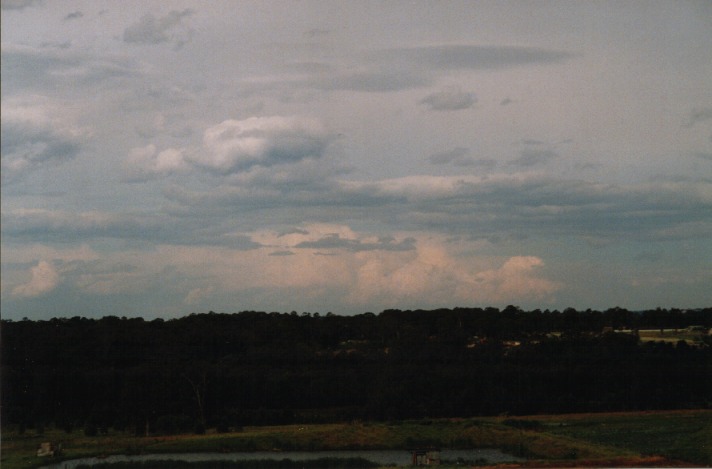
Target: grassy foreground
616	439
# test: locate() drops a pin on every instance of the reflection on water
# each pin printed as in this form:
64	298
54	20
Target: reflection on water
384	458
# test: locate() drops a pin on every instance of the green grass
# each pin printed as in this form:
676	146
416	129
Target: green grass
587	439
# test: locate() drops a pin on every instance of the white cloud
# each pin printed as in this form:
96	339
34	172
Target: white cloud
144	162
237	145
45	278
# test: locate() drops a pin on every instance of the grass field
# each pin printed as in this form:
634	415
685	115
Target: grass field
617	439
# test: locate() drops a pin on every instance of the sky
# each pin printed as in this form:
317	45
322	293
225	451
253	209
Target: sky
161	158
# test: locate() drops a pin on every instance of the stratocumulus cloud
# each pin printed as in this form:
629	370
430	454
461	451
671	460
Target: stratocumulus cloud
238	145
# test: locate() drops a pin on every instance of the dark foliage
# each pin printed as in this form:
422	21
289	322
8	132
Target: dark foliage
230	370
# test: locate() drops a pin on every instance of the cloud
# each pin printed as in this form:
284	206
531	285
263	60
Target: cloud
334	241
238	145
452	99
73	16
434	276
531	157
33	137
45	278
458	157
143	163
19	4
282	253
375	81
472	57
152	30
698	115
197	294
55	66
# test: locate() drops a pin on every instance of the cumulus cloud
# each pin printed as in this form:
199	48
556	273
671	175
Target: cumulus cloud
451	99
143	163
152	30
45	278
432	275
238	145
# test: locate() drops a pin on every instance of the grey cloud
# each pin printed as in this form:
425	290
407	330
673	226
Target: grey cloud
454	57
281	253
531	158
73	16
334	241
317	32
74	227
459	157
152	30
27	67
292	231
697	115
483	207
27	146
408	68
531	141
19	4
371	81
704	156
449	100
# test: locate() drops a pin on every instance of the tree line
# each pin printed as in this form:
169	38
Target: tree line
254	368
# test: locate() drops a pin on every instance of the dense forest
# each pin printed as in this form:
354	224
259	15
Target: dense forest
229	370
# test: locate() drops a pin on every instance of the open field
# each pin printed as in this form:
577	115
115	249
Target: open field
617	439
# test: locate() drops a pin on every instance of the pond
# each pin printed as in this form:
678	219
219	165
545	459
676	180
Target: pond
383	458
